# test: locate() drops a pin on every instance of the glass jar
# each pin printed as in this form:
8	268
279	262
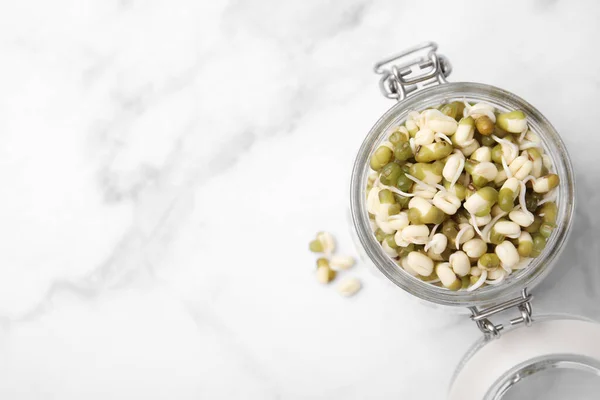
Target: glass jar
503	100
419	82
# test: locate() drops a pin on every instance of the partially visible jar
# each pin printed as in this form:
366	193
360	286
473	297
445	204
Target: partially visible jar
526	363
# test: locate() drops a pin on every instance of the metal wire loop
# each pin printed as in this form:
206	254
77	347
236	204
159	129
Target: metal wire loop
412	70
522	303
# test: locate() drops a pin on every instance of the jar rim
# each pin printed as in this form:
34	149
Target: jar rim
555	148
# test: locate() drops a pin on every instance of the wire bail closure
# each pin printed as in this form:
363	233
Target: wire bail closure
481	317
411	70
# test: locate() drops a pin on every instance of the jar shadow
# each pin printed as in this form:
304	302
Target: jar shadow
573	286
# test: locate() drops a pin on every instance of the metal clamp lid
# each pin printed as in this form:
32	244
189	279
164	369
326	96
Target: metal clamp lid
481	317
407	72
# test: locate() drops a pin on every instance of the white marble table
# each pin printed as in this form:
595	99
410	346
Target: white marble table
165	163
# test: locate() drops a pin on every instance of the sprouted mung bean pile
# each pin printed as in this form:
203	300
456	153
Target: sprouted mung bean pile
462	195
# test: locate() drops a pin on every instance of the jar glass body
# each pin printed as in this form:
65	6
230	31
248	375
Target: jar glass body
554	147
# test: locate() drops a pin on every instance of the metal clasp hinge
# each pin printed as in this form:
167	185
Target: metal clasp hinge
481	317
411	70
